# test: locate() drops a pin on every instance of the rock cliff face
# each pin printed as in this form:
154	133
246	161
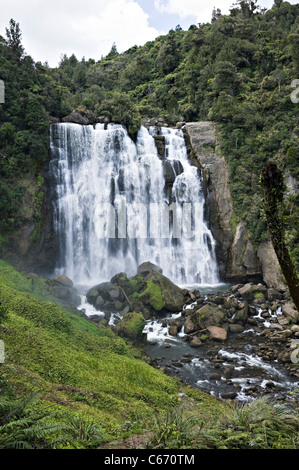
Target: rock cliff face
34	246
237	257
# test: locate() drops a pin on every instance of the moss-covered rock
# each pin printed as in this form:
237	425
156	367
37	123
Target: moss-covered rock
208	315
131	326
172	295
152	295
252	292
148	292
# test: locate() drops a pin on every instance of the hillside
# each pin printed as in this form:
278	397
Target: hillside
85	371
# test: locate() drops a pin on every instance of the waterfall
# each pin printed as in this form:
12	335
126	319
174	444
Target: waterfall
119	203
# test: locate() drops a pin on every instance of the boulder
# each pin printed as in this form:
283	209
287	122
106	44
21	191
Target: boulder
215	376
241	315
289	311
152	296
217	333
63	289
273	294
103	290
172	295
67	295
235	328
229	395
173	330
64	280
148	292
92	295
145	268
76	118
230	302
99	302
180	124
195	342
253	293
131	326
208	315
189	326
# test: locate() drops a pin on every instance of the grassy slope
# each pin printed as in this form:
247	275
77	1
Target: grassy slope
84	368
50	349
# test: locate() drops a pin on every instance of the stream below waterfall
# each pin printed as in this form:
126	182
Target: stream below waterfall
234	369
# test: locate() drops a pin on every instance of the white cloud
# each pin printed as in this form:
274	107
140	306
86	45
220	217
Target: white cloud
89	27
201	10
86	28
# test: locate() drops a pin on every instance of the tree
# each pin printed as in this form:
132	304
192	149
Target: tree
273	192
113	52
14	39
215	14
248	7
168	56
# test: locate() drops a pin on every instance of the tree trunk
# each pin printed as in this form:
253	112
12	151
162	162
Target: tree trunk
273	188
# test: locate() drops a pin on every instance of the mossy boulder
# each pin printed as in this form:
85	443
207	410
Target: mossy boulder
63	289
172	295
152	296
131	326
253	292
135	285
206	316
241	315
148	292
147	267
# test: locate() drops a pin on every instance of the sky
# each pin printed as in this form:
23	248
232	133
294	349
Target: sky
88	28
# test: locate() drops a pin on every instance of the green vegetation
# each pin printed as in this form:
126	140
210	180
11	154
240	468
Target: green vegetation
261	424
80	367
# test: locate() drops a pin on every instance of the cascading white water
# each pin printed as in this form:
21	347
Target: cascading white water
114	205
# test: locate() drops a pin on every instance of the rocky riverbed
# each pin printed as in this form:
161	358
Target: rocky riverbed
237	342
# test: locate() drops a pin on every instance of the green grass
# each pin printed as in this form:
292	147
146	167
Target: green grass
56	351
